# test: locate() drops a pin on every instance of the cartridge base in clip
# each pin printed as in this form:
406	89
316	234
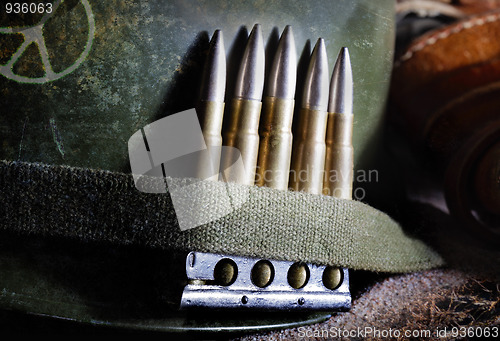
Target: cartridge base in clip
233	282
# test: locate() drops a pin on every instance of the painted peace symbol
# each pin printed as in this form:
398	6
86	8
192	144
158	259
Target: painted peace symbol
34	34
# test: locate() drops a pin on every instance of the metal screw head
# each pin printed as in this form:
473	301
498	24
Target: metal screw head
191	259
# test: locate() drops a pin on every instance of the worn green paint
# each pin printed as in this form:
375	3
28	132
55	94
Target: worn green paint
146	60
39	60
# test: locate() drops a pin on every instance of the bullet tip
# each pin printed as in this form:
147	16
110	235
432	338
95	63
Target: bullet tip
341	85
256	29
217	38
214	75
250	81
283	74
316	89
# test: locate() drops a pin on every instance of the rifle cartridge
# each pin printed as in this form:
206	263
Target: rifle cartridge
242	130
339	151
210	108
338	174
275	149
309	145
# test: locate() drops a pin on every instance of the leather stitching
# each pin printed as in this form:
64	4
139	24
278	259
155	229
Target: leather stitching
434	38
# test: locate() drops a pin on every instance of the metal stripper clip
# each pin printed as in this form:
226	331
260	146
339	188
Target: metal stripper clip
232	282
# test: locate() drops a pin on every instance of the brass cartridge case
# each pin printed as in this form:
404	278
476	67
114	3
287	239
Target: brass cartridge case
210	116
241	134
338	176
275	150
308	160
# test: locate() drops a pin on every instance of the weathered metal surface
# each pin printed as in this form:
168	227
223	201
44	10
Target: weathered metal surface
248	289
145	59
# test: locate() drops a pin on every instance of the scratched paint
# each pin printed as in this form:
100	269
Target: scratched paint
22	137
145	63
56	136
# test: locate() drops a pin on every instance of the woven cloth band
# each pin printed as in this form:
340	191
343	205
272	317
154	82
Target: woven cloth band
101	206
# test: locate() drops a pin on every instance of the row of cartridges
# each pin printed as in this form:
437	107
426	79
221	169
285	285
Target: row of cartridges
259	125
258	131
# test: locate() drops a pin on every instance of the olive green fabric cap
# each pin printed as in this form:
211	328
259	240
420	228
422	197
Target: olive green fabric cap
97	206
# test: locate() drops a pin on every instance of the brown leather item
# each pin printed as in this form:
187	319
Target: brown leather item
446	95
455	8
471	7
443	65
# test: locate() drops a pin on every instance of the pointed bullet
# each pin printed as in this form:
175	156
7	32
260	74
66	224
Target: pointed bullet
250	81
214	75
283	74
341	85
316	84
